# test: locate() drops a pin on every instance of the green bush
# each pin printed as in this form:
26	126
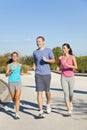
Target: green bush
53	66
3	69
25	68
82	64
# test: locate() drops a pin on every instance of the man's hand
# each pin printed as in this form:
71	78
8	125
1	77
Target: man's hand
45	59
50	61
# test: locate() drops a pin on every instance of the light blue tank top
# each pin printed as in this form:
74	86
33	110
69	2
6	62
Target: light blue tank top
15	75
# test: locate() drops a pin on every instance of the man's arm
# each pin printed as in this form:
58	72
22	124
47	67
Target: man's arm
34	66
50	61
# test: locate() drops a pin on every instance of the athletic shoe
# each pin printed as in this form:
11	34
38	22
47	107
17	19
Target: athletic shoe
41	114
17	115
48	109
71	105
69	113
14	108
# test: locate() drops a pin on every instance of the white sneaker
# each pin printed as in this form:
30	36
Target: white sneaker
48	109
69	113
71	105
14	108
41	114
17	115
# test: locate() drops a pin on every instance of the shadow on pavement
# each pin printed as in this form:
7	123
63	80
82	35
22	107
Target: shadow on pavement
75	91
25	107
60	90
80	108
5	109
30	106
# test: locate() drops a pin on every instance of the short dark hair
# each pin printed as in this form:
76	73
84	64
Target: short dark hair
14	53
40	37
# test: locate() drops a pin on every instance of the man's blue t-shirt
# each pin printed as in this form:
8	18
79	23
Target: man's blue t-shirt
42	67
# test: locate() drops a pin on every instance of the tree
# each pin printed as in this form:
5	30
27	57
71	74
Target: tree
28	60
82	64
57	53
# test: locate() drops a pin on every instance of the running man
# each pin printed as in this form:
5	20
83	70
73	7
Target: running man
43	57
14	81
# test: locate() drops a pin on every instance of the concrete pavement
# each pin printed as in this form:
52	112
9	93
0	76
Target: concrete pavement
57	119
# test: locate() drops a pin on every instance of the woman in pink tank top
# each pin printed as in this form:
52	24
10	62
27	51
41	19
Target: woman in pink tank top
68	64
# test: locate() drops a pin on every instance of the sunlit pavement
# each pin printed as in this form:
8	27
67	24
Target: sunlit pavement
57	119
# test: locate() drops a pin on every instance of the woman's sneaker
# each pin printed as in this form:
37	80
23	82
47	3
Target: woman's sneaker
48	109
71	105
41	114
69	112
17	115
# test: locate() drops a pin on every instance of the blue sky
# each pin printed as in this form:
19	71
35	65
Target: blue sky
59	21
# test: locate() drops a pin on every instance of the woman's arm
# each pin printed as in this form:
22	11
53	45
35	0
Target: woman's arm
74	66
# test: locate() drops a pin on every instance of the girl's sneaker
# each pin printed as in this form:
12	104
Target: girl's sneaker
17	115
41	114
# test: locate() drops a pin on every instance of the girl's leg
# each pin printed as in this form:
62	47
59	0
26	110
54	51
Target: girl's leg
13	96
17	99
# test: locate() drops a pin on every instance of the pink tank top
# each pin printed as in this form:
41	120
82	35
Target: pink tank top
66	71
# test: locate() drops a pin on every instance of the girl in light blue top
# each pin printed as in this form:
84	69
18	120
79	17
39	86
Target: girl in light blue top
13	72
15	76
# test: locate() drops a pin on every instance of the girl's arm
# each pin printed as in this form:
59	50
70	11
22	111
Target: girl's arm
7	70
21	70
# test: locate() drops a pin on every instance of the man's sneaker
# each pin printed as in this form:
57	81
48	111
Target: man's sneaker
71	105
48	109
69	113
17	115
41	114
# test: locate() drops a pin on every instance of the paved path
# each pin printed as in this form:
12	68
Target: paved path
4	93
57	119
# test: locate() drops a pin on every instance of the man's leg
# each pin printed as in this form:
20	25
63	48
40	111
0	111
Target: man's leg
48	97
40	100
40	104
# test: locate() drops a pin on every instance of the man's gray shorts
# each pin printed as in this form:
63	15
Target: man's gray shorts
42	82
13	86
